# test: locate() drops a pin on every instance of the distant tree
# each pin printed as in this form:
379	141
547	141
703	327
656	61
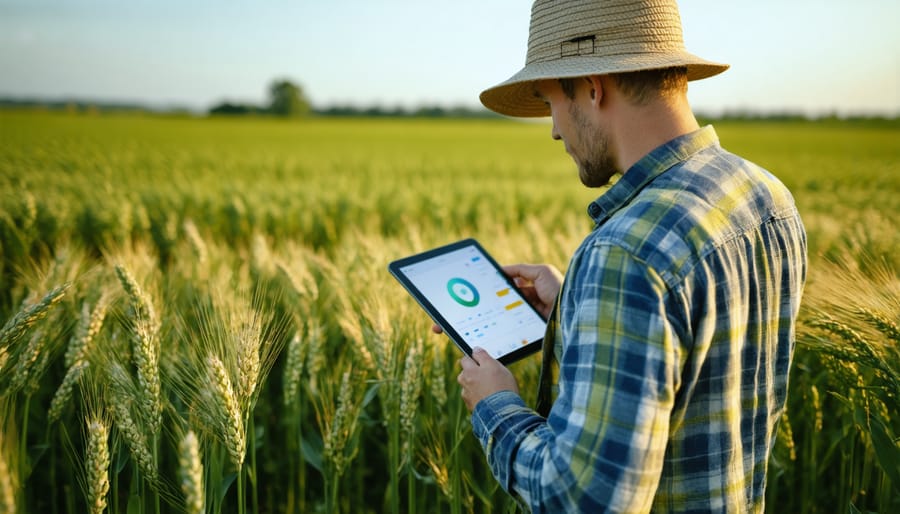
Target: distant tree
230	109
287	99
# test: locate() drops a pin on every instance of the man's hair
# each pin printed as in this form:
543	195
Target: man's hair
641	86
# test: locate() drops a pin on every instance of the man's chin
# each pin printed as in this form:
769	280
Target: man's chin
594	180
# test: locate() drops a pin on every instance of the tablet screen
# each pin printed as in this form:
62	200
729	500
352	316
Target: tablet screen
472	300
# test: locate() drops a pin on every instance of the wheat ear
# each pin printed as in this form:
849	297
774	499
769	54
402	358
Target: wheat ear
76	357
193	235
316	352
13	330
89	326
96	465
410	389
886	326
145	351
342	427
135	438
293	368
7	480
30	363
229	410
191	473
249	342
438	381
64	393
787	432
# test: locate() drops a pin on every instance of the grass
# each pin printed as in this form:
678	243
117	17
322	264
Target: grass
214	294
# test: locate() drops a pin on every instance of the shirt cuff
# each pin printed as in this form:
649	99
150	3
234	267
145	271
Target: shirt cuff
497	422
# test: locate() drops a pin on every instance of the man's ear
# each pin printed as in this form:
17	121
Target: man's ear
596	89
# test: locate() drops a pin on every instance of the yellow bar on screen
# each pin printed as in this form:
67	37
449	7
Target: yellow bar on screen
514	305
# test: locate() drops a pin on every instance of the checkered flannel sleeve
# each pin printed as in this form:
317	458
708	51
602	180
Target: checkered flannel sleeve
603	444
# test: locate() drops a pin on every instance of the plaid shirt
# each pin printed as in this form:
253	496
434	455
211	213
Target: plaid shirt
672	339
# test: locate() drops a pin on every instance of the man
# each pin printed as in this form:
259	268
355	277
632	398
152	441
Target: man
670	339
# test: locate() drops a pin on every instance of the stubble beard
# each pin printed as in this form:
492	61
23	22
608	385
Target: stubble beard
598	166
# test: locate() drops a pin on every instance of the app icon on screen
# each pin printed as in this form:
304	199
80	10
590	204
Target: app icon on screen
463	292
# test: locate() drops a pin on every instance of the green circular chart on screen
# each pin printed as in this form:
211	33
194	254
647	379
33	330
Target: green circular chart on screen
463	292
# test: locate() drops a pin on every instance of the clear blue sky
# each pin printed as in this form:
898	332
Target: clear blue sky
813	56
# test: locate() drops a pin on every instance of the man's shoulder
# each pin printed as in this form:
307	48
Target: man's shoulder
693	208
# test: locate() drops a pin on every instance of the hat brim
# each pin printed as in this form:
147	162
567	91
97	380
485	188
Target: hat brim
516	96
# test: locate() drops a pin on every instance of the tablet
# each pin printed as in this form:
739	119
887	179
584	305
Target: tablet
472	300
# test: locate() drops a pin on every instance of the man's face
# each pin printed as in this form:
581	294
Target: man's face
585	140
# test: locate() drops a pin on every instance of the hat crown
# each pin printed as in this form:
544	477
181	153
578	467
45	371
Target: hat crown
569	28
577	38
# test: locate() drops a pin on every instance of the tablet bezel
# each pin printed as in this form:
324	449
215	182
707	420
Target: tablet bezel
395	270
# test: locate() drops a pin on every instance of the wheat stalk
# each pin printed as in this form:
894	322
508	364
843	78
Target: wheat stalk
76	357
410	388
140	302
96	465
437	458
191	473
886	326
787	432
64	392
438	381
302	281
30	363
379	331
249	342
342	427
197	243
7	479
261	254
816	404
75	347
858	351
135	438
316	353
89	326
228	409
13	330
293	368
145	347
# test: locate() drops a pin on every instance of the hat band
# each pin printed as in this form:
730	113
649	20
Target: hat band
592	45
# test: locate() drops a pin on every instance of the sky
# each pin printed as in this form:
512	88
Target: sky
810	56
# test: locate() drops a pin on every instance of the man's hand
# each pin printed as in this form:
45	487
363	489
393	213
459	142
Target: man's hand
539	283
482	376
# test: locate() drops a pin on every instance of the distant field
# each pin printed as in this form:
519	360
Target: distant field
208	254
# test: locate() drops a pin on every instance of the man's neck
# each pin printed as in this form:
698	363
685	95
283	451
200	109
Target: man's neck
640	129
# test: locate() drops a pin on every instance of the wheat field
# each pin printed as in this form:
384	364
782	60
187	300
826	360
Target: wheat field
197	317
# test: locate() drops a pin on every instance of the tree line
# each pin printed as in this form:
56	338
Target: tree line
287	99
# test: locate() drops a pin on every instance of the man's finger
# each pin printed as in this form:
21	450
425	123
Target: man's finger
527	271
468	362
481	356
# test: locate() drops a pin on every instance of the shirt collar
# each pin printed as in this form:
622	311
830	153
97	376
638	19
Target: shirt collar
648	168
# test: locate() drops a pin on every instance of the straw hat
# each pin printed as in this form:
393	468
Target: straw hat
576	38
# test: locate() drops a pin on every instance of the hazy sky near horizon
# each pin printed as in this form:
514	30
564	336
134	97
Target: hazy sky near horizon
799	55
